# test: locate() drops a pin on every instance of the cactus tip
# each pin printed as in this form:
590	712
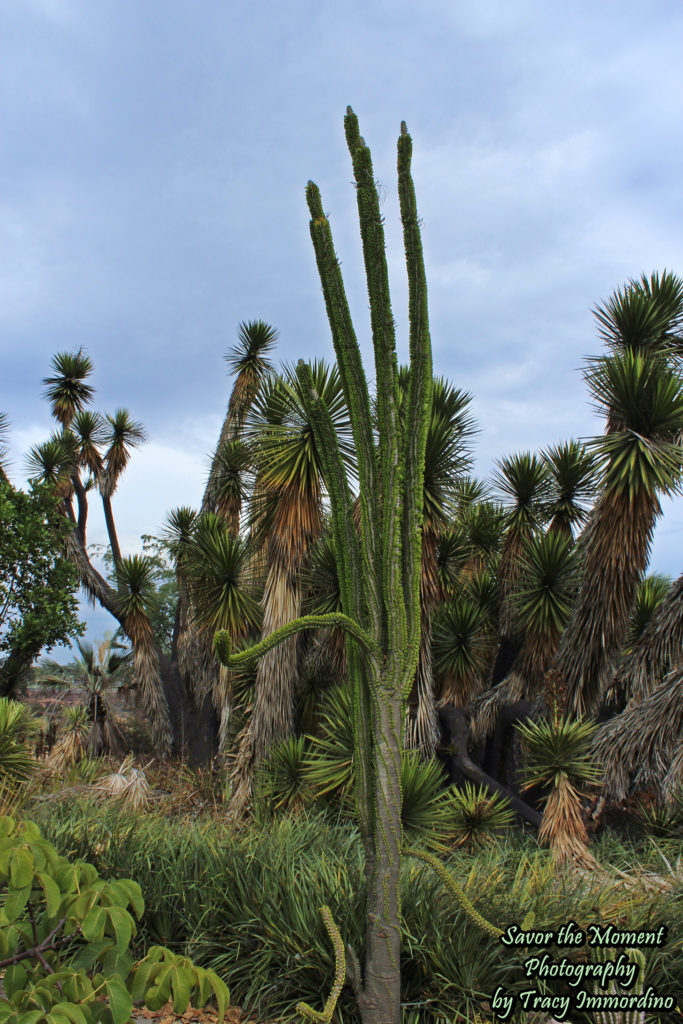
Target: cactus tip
404	128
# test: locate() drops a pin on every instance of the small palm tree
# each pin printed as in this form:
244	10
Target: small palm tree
559	756
98	671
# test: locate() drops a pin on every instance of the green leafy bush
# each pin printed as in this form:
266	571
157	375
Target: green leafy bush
64	942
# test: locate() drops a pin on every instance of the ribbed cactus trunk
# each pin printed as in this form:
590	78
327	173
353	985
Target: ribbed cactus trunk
379	566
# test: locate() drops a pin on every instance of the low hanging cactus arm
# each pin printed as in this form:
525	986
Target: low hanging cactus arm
325	1016
455	890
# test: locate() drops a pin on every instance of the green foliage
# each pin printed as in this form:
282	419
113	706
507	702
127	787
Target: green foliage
65	935
649	596
38	604
282	781
476	815
558	749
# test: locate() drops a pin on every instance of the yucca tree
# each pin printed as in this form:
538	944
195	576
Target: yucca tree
571	486
543	602
640	460
66	389
559	756
98	670
522	482
287	518
121	435
135	577
248	361
380	568
447	460
218	568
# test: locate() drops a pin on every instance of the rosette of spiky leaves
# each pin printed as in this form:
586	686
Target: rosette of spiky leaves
217	564
481	587
17	725
646	315
651	593
136	578
461	646
451	556
476	815
571	486
282	780
329	762
425	810
640	461
448	453
121	435
66	389
178	532
73	739
522	482
231	486
484	526
248	363
558	756
543	601
89	430
54	461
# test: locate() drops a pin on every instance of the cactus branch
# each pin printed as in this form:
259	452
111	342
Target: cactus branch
331	619
339	973
455	890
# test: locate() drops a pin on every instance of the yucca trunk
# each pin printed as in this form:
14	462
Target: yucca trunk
272	714
422	722
616	546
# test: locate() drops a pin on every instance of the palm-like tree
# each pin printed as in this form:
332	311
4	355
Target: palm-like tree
121	435
447	459
249	363
640	460
66	390
571	486
286	517
135	576
522	482
99	670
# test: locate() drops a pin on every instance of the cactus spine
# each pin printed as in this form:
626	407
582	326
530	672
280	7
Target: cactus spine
379	567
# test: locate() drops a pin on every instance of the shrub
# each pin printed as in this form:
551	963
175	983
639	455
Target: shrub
64	942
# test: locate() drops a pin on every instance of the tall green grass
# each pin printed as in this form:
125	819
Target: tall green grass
246	902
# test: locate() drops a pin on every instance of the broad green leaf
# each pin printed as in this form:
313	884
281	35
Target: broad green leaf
15	979
93	924
120	1002
53	896
122	923
220	991
16	902
21	868
181	983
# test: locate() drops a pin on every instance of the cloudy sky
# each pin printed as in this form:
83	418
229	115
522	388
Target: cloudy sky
154	157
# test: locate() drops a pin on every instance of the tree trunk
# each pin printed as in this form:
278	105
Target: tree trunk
381	998
455	726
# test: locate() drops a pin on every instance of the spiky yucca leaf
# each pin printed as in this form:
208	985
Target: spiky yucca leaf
461	645
330	757
54	461
248	362
645	315
71	746
121	435
477	815
89	430
651	594
178	531
16	761
571	486
282	779
128	785
231	462
425	809
217	565
66	390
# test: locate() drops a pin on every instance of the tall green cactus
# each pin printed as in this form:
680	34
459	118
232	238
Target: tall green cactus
379	567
